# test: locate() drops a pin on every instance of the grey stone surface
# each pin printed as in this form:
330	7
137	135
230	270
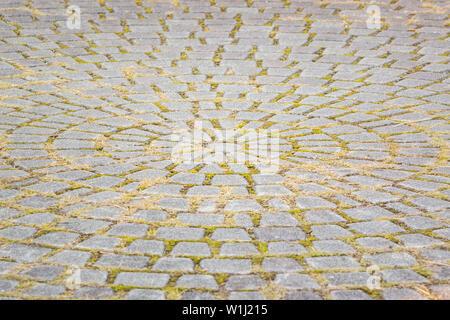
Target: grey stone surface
173	264
376	227
251	282
238	249
23	253
84	225
243	205
391	259
142	279
332	262
99	243
422	223
196	295
302	295
180	233
402	294
45	290
224	234
178	204
6	267
197	281
401	276
191	249
93	293
145	294
150	215
128	229
436	254
122	261
330	232
368	213
277	234
323	216
281	265
43	272
313	202
17	233
278	219
247	295
152	247
93	276
350	295
239	266
296	281
229	180
334	246
418	240
440	291
285	248
7	285
57	238
347	278
376	243
36	218
203	219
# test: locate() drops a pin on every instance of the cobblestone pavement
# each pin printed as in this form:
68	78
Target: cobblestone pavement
93	204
